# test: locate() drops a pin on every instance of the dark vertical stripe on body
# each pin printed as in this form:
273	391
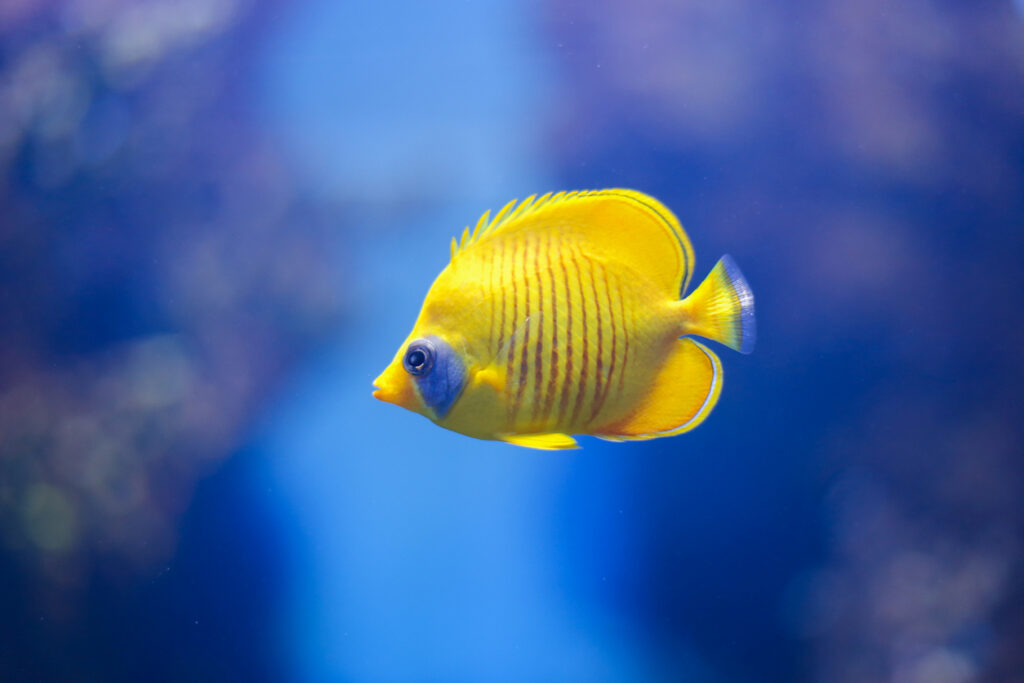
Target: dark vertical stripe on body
524	363
581	390
610	317
504	296
510	339
563	405
549	397
538	350
627	331
491	341
599	357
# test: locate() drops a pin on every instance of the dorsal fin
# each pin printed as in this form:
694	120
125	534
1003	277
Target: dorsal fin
487	226
624	224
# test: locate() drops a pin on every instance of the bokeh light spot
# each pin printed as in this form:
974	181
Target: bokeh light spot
49	518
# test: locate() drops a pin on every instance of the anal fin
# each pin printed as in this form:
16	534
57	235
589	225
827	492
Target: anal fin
546	442
682	395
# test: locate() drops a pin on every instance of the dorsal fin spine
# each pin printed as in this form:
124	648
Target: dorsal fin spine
481	223
501	214
523	207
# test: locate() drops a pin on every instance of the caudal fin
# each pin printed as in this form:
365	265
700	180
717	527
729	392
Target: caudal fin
722	308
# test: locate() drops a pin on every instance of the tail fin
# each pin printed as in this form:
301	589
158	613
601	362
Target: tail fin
722	308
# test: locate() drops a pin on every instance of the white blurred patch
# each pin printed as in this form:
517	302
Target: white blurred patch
146	31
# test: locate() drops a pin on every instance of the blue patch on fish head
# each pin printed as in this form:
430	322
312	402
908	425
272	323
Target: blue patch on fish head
438	371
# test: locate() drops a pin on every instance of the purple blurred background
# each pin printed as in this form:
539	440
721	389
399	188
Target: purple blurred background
218	218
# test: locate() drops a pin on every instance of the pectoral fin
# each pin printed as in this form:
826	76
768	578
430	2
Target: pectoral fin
492	376
683	394
545	442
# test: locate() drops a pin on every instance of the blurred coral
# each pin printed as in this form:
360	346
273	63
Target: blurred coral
158	272
868	157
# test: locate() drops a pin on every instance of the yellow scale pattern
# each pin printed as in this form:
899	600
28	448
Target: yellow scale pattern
560	328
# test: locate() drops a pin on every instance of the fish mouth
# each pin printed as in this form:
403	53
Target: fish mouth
389	394
385	391
393	389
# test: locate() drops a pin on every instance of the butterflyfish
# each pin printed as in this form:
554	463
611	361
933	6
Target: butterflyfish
563	315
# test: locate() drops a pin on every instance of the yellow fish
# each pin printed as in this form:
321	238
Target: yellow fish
562	315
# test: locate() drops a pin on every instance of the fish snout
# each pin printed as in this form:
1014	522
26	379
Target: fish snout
380	388
394	389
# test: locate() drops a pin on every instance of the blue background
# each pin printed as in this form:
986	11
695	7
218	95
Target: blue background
218	220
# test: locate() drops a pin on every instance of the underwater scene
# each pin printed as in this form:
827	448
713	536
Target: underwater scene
278	404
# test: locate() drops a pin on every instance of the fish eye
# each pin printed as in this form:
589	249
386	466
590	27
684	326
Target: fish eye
419	357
